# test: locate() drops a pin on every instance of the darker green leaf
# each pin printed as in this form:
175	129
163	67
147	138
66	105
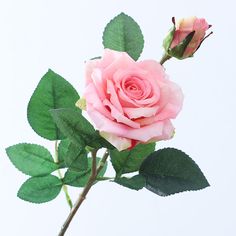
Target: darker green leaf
130	160
80	178
52	92
40	189
31	159
76	158
178	51
123	34
136	182
74	126
168	171
62	151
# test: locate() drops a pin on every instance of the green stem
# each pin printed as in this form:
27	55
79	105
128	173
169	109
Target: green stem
64	187
164	58
94	173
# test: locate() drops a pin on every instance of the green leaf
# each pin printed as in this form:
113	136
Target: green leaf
178	51
74	126
31	159
168	39
123	34
52	92
80	179
130	160
76	158
137	182
40	189
63	148
168	171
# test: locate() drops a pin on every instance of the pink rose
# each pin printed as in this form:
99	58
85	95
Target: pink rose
130	102
184	27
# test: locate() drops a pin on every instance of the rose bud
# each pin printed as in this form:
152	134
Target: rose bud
185	37
130	102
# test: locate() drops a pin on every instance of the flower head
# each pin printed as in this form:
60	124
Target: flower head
130	102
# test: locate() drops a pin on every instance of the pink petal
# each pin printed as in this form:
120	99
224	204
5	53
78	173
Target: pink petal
92	99
142	134
114	98
134	113
174	105
120	117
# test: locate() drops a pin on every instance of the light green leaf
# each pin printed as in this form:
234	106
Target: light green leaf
168	39
40	189
130	160
168	171
31	159
123	34
52	92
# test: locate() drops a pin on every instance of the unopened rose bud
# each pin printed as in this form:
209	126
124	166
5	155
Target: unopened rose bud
185	37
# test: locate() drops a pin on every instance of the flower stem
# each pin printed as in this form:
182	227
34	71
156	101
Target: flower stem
64	187
94	173
164	58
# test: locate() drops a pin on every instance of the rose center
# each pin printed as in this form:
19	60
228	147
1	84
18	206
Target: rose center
134	87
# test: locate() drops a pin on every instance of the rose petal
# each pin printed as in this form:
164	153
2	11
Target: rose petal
174	105
92	98
120	117
134	113
142	134
114	98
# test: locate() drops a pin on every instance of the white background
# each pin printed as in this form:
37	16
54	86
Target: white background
37	35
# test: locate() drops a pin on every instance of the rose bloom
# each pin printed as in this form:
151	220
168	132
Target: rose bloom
184	27
130	102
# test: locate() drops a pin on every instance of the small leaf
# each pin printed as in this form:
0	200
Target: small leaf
40	189
80	179
76	158
169	38
75	178
137	182
63	148
168	171
123	34
74	126
31	159
52	92
130	160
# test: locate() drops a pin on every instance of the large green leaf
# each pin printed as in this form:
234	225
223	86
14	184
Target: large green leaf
168	171
80	178
136	182
52	92
123	34
130	160
40	189
31	159
74	126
